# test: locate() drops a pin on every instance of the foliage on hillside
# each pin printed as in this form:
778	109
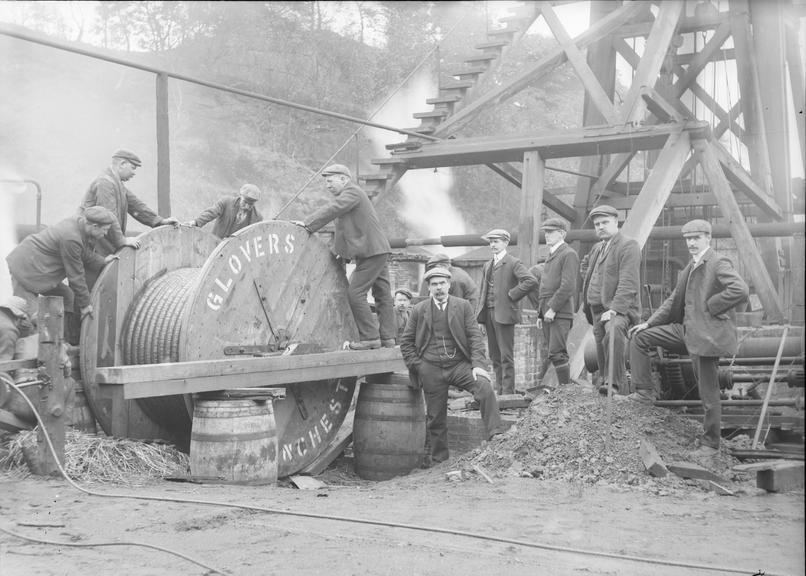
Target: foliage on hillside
66	113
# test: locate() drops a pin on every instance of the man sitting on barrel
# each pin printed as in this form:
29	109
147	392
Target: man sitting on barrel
442	346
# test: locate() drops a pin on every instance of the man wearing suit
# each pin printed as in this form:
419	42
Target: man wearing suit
442	347
504	281
697	319
610	294
231	213
558	287
360	238
462	285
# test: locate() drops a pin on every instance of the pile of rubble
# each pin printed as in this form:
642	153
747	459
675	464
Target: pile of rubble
564	436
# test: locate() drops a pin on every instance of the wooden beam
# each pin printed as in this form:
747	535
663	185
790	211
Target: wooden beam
650	202
701	59
150	380
566	143
720	129
657	46
53	395
685	59
687	25
742	180
513	175
593	88
797	79
745	246
533	73
534	172
163	148
659	106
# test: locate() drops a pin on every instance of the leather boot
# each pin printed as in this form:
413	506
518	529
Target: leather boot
563	373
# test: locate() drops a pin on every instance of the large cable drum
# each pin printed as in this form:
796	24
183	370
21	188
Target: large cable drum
270	288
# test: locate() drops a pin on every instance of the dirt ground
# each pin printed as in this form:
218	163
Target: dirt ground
753	533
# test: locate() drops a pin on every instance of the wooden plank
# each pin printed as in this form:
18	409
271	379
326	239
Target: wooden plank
52	397
534	172
561	144
593	88
657	187
9	365
659	106
687	25
721	128
756	466
690	470
746	247
701	59
657	46
784	478
149	380
738	176
533	73
163	147
797	79
651	459
306	482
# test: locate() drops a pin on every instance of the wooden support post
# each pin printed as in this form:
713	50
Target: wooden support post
745	246
534	170
650	202
163	148
742	180
593	89
53	393
797	79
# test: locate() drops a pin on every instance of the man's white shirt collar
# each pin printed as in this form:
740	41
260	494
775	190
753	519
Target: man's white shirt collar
698	257
497	257
553	249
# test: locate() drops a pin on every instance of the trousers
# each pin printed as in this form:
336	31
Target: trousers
619	323
501	344
436	380
372	273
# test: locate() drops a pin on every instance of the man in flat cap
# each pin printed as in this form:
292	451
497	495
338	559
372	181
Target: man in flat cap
14	322
231	213
558	288
610	295
504	281
462	285
698	319
403	298
40	263
108	190
442	347
359	238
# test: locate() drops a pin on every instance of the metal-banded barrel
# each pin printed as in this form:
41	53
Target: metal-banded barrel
185	295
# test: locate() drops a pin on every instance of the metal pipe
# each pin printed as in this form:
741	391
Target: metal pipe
774	229
5	31
739	361
36	185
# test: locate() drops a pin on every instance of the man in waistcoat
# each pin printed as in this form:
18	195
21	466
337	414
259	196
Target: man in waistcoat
442	347
504	281
698	319
558	288
610	295
231	213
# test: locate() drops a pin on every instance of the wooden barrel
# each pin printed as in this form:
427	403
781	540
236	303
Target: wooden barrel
389	429
234	440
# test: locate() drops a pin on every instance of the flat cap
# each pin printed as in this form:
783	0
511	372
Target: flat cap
555	224
99	215
496	233
405	291
16	305
436	259
250	191
696	227
337	169
127	155
603	210
437	271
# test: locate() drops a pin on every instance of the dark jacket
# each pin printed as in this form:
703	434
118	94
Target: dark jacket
621	277
358	230
224	212
42	260
462	325
703	302
558	284
512	282
108	191
462	285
